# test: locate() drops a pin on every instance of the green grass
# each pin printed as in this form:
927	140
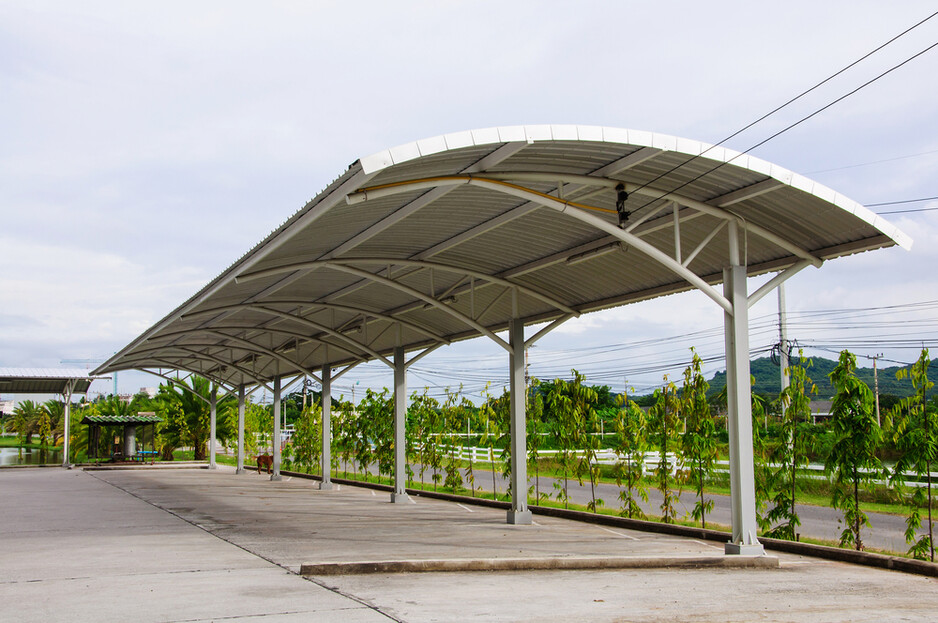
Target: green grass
14	442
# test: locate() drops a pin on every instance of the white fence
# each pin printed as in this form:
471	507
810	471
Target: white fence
675	463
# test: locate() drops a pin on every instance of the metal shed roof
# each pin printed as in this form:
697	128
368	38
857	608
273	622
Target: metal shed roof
45	380
122	420
448	238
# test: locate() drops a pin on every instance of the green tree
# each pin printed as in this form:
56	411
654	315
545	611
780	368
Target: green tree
631	445
583	402
852	460
376	425
345	430
534	415
665	414
258	427
55	411
186	415
492	432
307	438
451	416
425	420
698	441
501	411
563	429
792	453
916	437
25	422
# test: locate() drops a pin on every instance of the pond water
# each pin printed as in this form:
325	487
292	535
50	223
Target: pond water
28	456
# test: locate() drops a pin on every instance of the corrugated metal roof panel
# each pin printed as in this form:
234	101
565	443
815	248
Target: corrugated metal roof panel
493	231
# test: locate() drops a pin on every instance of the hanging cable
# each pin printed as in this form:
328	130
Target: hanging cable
789	102
791	126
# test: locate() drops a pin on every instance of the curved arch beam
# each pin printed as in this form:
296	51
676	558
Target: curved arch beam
198	356
332	332
292	334
414	263
267	351
347	308
658	193
496	180
246	345
364	274
221	362
580	212
177	383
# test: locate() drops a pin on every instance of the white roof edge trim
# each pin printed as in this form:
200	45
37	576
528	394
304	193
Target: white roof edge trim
567	132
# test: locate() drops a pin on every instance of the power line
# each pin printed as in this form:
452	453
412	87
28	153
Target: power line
791	101
907	211
893	203
866	164
795	124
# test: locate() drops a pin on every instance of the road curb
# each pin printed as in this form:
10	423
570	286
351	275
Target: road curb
540	564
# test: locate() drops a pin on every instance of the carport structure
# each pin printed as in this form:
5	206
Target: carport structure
58	381
474	233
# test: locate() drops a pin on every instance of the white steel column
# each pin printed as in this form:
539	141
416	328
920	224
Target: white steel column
212	417
240	468
518	513
326	456
68	415
739	413
400	415
276	442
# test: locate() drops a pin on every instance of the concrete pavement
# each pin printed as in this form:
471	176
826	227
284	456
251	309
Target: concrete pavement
200	545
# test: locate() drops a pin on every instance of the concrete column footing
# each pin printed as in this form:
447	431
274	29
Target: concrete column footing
738	549
399	498
519	518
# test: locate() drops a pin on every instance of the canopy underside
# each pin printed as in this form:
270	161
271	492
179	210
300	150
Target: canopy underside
450	238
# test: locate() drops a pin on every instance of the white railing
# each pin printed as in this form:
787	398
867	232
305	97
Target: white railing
675	462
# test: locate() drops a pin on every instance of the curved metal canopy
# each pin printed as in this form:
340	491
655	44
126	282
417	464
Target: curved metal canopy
46	381
448	238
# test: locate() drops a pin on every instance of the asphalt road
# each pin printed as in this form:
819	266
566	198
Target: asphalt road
885	532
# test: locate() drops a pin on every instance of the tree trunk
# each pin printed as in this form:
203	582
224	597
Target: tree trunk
931	539
592	483
856	509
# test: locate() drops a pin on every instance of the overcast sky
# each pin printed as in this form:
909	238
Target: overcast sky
146	146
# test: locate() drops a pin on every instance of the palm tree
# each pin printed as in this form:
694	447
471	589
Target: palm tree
55	411
186	416
26	420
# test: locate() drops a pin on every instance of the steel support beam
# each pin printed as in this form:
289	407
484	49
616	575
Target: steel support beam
739	414
240	467
276	442
69	385
518	513
212	417
400	415
326	483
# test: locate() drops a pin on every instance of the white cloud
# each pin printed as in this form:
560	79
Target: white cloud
75	301
147	146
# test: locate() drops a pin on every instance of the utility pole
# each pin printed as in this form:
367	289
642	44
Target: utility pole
782	348
876	386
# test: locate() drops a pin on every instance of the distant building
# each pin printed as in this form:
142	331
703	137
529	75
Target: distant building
149	391
820	410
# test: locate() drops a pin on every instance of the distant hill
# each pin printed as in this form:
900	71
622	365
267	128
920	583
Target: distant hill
767	377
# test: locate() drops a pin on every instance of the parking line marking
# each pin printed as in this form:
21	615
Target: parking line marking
625	536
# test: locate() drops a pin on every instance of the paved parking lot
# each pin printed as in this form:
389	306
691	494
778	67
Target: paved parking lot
200	545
